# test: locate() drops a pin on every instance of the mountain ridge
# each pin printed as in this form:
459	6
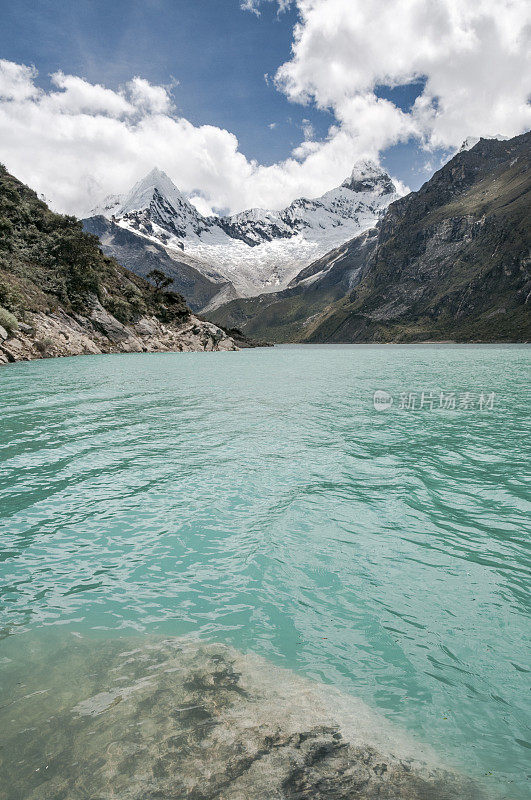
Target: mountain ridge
450	261
61	296
255	250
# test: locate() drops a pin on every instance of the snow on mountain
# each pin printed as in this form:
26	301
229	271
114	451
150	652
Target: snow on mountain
471	141
257	250
154	203
141	194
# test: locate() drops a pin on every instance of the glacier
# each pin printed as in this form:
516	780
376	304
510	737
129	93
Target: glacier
259	250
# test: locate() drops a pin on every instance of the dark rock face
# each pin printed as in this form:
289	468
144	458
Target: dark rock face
167	719
451	261
381	182
255	232
141	257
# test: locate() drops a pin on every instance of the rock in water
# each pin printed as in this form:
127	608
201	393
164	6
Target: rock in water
170	719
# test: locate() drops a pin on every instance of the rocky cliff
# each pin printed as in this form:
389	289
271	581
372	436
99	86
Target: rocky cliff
450	261
53	334
60	295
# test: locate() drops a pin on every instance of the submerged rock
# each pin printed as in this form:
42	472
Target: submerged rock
172	719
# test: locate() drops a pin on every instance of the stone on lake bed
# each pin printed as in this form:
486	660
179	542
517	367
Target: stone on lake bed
146	718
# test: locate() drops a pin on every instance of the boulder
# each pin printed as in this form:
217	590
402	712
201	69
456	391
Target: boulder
107	324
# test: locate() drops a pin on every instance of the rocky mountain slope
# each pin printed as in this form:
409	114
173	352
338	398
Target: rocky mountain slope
450	261
288	315
141	255
247	253
59	295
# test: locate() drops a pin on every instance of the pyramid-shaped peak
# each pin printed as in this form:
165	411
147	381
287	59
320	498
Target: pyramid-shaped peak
368	176
157	176
366	168
142	193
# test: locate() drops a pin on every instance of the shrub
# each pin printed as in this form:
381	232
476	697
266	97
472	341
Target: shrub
119	309
8	320
44	345
160	279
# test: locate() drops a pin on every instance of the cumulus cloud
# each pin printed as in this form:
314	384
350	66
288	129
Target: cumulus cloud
77	141
80	97
202	205
17	81
149	98
471	54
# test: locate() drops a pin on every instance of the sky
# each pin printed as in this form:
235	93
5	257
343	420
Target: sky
249	103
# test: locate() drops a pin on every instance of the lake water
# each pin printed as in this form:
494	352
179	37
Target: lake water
258	500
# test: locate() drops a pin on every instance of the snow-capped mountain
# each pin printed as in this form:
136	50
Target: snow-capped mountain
258	250
471	141
155	208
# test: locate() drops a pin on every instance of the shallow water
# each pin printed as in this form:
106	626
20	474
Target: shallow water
258	499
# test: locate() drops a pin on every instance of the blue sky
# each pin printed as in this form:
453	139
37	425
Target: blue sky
400	81
218	53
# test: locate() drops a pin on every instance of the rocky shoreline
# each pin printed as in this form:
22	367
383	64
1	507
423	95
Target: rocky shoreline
59	334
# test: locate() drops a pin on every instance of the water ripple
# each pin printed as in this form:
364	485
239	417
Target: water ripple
260	500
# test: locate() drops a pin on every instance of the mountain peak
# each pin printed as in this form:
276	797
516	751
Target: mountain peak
365	168
142	193
156	173
368	176
472	141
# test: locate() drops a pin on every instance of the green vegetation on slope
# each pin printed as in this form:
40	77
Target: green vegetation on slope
141	256
450	261
279	317
47	262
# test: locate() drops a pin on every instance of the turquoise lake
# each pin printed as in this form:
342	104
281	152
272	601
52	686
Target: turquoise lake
258	499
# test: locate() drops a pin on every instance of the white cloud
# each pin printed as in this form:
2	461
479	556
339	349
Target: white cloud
308	130
251	5
80	97
149	98
77	141
254	5
17	81
472	54
202	205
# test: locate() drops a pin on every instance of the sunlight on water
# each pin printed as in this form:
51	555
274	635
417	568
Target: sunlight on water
257	500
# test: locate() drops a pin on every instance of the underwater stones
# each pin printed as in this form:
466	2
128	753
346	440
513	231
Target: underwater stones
141	719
